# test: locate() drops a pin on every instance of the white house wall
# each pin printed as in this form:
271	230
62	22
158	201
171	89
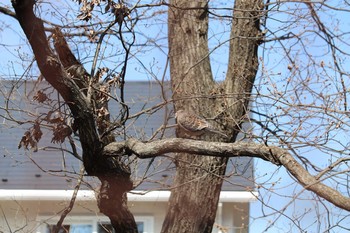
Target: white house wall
27	216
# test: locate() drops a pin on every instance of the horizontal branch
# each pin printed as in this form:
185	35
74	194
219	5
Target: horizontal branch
273	154
178	145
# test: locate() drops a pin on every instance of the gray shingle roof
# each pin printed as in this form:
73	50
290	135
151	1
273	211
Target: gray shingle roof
50	168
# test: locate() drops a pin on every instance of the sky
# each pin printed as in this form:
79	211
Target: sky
279	188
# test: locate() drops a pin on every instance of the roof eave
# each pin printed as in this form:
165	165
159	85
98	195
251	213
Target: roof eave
89	195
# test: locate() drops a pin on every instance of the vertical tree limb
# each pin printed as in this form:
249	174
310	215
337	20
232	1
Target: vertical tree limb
114	177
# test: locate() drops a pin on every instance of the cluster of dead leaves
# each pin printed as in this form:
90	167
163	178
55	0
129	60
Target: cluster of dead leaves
119	10
40	96
31	137
60	129
60	132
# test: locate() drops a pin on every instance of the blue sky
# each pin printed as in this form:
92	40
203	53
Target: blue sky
279	188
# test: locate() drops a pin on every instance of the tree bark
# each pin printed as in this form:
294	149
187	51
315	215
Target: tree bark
243	57
193	203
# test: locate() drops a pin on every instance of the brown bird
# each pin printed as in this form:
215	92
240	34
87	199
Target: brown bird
195	125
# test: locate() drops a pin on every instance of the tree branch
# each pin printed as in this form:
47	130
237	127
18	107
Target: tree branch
53	71
69	208
273	154
161	147
8	12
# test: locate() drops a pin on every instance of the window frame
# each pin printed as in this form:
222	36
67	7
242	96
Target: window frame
93	220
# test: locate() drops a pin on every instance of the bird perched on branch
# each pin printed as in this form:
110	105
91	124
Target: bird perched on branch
195	125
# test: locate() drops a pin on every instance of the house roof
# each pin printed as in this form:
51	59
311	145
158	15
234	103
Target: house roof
50	168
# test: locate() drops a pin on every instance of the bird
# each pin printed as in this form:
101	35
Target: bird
194	125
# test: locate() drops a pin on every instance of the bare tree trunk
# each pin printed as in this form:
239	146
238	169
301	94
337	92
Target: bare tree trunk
193	202
197	178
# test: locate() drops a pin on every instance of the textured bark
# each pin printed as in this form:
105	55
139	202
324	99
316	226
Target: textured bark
70	79
218	149
112	201
193	202
243	56
69	62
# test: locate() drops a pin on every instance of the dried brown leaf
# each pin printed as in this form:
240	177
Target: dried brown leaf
40	97
60	132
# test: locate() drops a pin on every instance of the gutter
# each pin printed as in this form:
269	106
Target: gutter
89	195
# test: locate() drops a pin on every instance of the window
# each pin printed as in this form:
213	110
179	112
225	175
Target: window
107	228
72	228
90	224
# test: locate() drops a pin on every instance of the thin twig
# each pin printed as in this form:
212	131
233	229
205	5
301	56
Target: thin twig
72	201
7	223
